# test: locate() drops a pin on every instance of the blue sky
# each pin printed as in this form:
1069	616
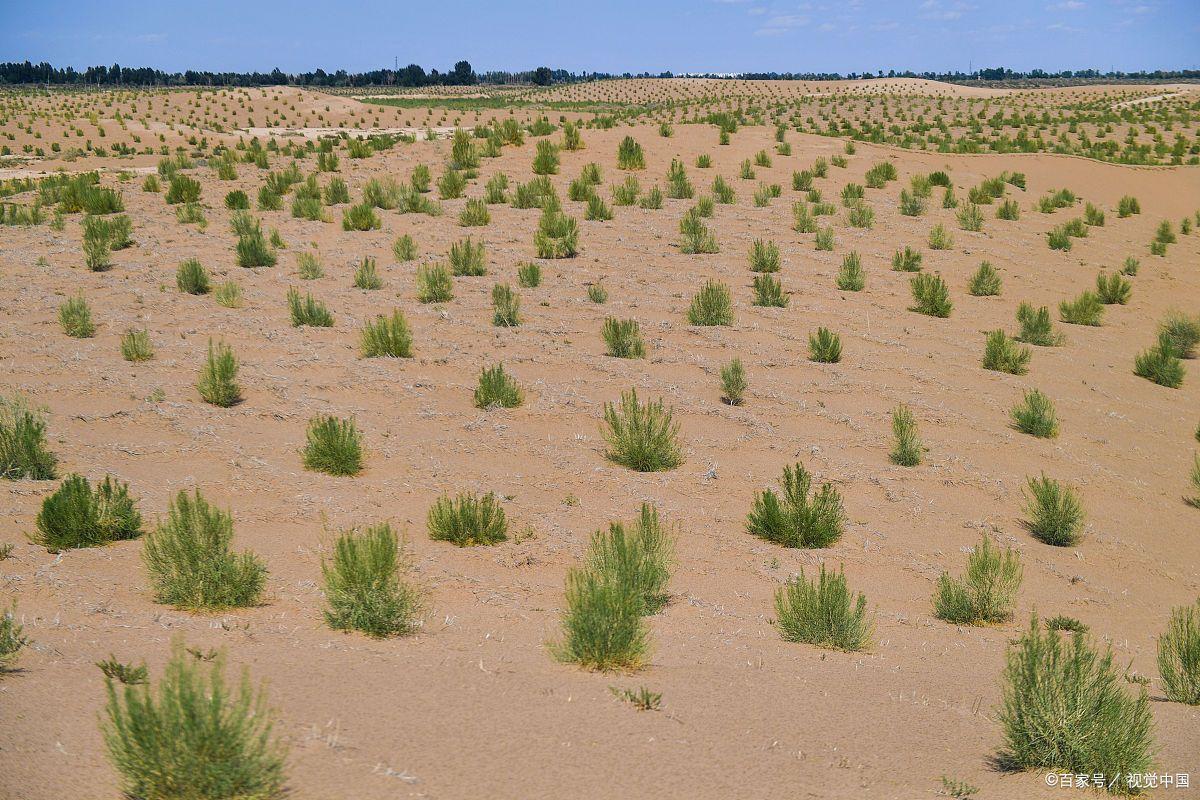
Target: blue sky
616	36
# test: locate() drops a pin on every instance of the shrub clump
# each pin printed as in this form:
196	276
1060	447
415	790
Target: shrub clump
468	520
23	449
364	586
823	612
802	518
497	389
77	515
986	592
1179	655
641	436
334	446
1054	511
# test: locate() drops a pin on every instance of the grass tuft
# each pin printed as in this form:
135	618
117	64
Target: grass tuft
823	613
364	587
986	593
467	520
333	446
77	515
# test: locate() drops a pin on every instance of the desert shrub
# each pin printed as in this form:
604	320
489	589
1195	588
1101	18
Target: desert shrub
529	275
1179	655
218	384
1093	216
930	295
496	189
906	449
269	200
387	337
229	295
190	564
151	184
182	189
1064	708
253	250
803	219
1035	415
1083	310
23	449
474	214
911	205
336	192
824	347
467	258
333	446
1036	327
703	161
1127	206
1009	210
906	260
733	382
192	277
12	639
602	625
1055	515
196	738
879	174
823	612
678	185
308	311
404	249
76	318
191	214
237	201
824	239
571	138
1002	354
768	292
987	591
641	436
802	181
1059	239
799	520
452	184
364	587
851	277
939	239
695	237
653	199
545	159
1130	266
985	282
467	520
136	347
597	209
76	515
435	284
712	305
626	193
722	191
497	389
970	218
97	244
637	558
366	275
1113	289
361	217
1163	234
861	215
1180	333
1160	364
557	234
623	338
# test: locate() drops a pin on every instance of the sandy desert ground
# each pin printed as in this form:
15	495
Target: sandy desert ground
473	705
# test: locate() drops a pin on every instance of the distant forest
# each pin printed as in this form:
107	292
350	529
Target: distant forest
462	74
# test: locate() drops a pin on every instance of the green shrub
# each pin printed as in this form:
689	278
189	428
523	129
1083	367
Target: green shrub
1003	354
851	277
237	200
505	306
987	591
253	250
474	214
192	277
1160	364
1036	327
183	189
1128	206
1054	511
597	210
1083	310
404	249
366	276
190	564
361	217
799	520
1180	333
468	520
136	347
906	450
931	295
77	515
768	291
333	446
970	218
823	613
336	192
529	275
76	318
695	236
733	382
1179	655
1059	239
364	587
678	185
435	284
1064	709
1035	415
939	239
824	239
712	305
638	558
641	436
218	384
653	199
985	282
623	338
626	193
308	311
545	159
23	449
196	739
597	293
602	625
1009	210
387	337
12	639
497	389
906	260
825	347
630	155
229	295
723	193
557	235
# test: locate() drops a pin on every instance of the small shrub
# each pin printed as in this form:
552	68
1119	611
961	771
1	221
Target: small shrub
136	347
1035	415
23	449
985	282
435	284
182	189
192	277
229	295
1009	210
77	515
764	256
253	250
1058	239
190	564
1180	333
1055	513
1179	655
931	295
733	382
986	593
823	613
1083	310
824	239
602	625
237	201
939	239
529	275
497	389
637	557
768	292
308	311
1064	709
218	384
641	436
364	587
12	639
695	235
906	260
1160	364
474	214
1127	206
851	277
545	159
467	520
1002	354
712	305
76	318
799	520
623	338
366	276
906	450
1036	327
824	347
334	446
361	217
970	218
387	337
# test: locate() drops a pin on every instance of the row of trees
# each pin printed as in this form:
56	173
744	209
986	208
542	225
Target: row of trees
462	74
